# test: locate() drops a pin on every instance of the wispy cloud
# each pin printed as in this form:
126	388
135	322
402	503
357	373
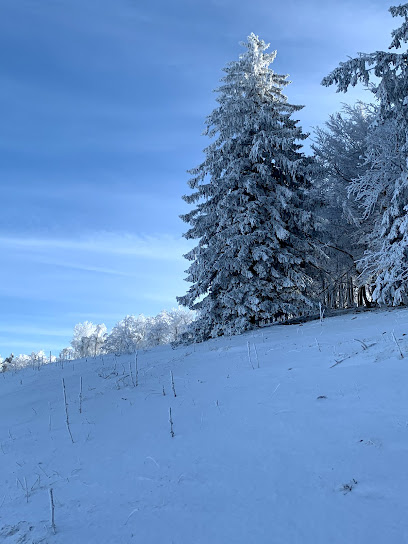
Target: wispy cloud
96	316
159	297
85	267
162	248
28	330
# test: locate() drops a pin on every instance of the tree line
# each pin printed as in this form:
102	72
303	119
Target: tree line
130	334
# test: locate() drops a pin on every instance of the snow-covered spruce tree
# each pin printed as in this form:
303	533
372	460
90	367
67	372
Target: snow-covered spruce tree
385	188
252	262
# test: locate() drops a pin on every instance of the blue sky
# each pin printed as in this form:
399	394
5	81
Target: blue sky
102	108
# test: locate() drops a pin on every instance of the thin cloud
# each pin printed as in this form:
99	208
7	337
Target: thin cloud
26	330
85	268
159	297
163	248
96	316
30	346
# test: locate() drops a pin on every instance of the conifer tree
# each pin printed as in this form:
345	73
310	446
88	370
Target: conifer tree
253	257
383	189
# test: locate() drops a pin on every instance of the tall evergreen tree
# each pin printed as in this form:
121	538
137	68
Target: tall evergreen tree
383	189
252	262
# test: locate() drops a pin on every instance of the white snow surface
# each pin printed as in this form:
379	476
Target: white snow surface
295	451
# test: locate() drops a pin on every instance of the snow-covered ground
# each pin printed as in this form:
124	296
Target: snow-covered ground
293	451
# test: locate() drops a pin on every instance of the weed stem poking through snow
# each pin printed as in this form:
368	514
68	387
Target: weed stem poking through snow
398	346
256	355
80	395
249	355
172	383
66	410
171	424
52	507
136	370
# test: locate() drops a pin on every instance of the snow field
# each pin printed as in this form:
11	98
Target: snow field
295	451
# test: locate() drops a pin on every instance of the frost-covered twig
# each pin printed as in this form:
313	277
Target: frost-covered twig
172	383
321	313
341	360
38	480
131	375
40	467
346	488
131	514
52	507
49	419
249	355
26	488
364	345
66	410
256	355
398	346
276	388
171	424
80	395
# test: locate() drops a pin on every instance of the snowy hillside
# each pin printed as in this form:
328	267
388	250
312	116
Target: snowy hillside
297	450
